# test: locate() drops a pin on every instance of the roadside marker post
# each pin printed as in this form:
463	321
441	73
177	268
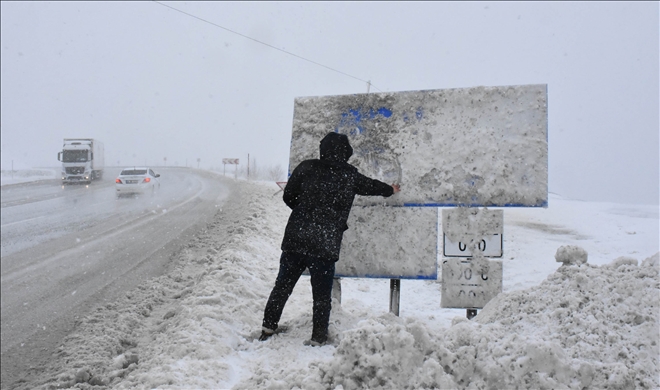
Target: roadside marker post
231	161
280	184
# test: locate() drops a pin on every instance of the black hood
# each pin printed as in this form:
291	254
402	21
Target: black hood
335	147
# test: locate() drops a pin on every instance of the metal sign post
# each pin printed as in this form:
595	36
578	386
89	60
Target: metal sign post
395	284
395	296
336	289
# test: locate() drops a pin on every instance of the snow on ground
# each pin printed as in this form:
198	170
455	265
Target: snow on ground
27	175
556	325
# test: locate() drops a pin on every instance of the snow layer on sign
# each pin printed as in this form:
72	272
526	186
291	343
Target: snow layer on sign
469	225
470	283
482	146
390	242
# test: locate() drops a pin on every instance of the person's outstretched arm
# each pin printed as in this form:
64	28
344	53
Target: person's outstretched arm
372	187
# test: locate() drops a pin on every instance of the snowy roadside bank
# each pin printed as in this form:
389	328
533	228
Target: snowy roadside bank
593	326
8	177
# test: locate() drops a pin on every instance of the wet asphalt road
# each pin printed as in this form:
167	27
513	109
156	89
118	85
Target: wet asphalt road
68	249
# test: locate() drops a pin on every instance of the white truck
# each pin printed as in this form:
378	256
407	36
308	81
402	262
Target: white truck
82	160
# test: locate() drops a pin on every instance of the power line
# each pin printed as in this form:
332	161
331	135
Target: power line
265	44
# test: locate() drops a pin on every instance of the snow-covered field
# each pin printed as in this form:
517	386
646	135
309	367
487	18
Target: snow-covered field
27	175
556	325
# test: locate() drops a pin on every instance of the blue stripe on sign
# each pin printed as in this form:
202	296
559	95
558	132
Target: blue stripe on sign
420	277
542	204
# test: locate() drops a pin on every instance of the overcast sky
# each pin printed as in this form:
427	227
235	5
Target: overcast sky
152	82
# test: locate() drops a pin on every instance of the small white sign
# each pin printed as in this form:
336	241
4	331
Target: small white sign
468	284
490	246
468	230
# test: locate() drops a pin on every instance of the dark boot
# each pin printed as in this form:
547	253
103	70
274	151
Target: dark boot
312	343
266	334
319	337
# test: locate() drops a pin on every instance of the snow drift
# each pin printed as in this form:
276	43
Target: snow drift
584	326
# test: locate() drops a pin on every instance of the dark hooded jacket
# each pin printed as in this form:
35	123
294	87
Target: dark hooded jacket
320	194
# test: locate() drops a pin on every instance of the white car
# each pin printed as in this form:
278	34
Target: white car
137	180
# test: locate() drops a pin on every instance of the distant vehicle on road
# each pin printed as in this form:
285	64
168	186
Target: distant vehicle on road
137	180
82	160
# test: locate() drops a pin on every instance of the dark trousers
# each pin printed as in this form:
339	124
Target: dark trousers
322	272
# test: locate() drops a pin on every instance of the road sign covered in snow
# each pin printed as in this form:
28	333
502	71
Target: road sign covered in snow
377	245
475	233
467	230
470	283
481	146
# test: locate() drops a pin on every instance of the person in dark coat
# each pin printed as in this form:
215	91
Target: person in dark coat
320	193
